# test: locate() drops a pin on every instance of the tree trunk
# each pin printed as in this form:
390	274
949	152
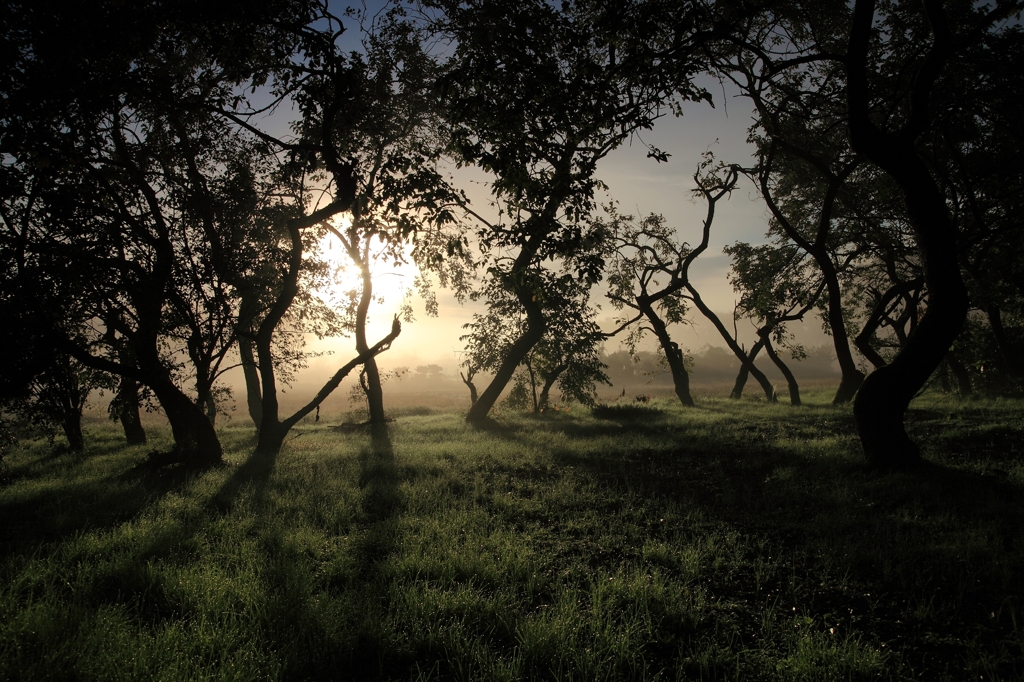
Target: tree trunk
885	395
127	405
878	312
195	440
794	388
673	354
253	396
766	386
549	381
1009	353
852	378
944	377
374	391
741	377
270	439
71	425
535	327
468	380
960	373
210	407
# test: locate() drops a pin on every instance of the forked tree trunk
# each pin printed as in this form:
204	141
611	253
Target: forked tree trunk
741	376
549	381
762	380
468	380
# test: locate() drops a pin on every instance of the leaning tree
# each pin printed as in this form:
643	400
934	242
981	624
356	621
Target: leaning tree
887	67
535	95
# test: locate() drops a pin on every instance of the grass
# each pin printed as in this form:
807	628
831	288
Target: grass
734	541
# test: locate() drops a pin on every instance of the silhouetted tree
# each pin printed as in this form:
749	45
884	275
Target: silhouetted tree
536	94
650	276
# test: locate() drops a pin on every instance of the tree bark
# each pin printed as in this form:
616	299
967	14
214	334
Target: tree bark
741	377
253	397
127	404
885	395
673	354
794	387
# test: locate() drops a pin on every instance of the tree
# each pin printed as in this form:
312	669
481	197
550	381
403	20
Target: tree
775	289
650	276
366	141
804	166
891	142
536	95
882	69
100	225
567	354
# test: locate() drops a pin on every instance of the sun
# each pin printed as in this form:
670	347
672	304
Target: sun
392	282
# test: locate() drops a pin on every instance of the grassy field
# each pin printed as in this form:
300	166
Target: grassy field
734	541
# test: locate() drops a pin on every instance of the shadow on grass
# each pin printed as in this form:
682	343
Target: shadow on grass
254	471
914	559
53	514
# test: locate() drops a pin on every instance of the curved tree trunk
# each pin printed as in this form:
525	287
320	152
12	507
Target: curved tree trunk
852	378
468	380
886	393
195	440
374	391
762	380
794	388
673	354
549	381
535	328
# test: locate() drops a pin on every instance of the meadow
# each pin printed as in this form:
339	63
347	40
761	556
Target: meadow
733	541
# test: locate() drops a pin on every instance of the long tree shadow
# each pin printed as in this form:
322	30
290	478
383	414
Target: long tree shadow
254	472
55	513
379	480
